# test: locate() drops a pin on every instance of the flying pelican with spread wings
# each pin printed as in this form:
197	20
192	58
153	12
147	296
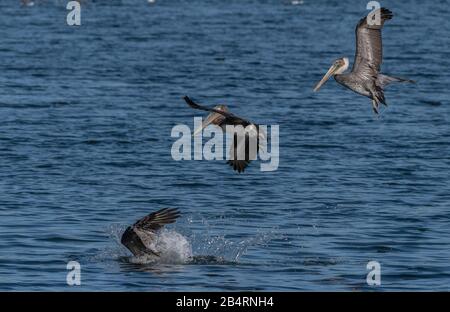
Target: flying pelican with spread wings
241	151
365	77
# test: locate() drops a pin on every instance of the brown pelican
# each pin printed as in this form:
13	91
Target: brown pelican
222	117
365	77
139	238
149	245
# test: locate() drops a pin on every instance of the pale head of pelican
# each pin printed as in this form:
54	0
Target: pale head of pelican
212	119
339	66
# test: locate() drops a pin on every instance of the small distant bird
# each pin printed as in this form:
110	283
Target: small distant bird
140	237
221	116
365	77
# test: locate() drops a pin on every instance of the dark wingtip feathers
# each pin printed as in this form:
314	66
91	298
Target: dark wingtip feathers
190	102
239	165
386	14
158	219
171	213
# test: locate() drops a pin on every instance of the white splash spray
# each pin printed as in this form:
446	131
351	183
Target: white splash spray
191	247
172	247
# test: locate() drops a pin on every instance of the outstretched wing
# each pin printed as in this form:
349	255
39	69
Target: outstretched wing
232	119
156	220
244	148
369	46
238	145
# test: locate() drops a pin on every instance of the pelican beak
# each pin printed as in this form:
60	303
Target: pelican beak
209	120
327	76
198	130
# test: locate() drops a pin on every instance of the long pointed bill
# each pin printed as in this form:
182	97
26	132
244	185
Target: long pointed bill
209	120
327	76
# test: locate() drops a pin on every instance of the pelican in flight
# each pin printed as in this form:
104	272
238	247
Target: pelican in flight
365	77
222	117
139	238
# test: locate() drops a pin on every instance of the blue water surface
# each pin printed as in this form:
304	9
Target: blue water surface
86	115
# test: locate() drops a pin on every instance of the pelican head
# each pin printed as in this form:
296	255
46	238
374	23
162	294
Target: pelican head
339	66
212	119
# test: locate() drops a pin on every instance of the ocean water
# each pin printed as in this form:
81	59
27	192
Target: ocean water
85	146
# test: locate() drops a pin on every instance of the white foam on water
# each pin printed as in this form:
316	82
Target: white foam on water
176	248
172	247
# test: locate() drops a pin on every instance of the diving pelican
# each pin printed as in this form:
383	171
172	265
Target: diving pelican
222	117
140	237
365	77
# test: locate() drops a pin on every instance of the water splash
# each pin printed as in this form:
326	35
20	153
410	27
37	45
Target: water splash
182	246
173	247
221	247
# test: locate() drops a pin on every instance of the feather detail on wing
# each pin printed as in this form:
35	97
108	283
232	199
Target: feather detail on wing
369	46
156	220
244	148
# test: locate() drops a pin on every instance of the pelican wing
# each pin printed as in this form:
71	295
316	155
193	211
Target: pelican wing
232	119
242	151
369	46
156	220
238	163
139	237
